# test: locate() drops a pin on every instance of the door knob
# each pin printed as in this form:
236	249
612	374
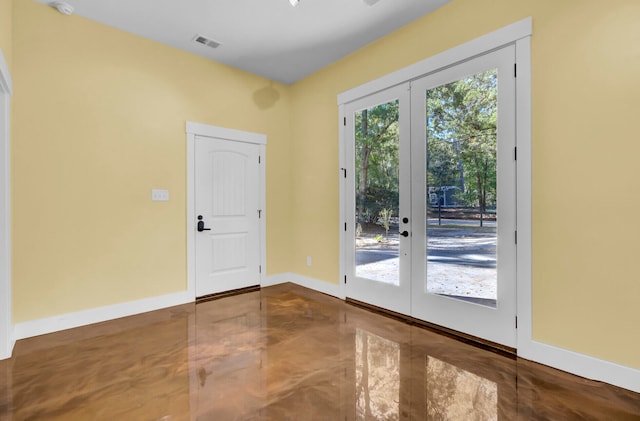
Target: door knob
201	225
404	233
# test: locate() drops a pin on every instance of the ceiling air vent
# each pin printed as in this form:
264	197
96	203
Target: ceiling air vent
206	41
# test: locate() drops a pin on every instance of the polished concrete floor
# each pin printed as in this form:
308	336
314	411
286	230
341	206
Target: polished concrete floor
285	353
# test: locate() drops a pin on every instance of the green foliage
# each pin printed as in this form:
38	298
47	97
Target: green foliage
461	138
377	164
385	220
461	122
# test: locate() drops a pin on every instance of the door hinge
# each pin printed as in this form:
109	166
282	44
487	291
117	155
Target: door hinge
345	226
345	279
516	235
259	159
345	121
260	268
515	153
516	322
515	69
259	213
344	170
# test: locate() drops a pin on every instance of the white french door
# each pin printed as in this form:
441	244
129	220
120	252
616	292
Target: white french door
379	268
467	281
454	175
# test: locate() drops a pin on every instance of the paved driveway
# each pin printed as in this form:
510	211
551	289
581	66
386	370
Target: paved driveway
461	259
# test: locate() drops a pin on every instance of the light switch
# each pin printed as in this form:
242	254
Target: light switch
160	195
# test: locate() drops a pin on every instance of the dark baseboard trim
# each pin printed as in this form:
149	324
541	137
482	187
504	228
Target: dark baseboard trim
225	294
462	337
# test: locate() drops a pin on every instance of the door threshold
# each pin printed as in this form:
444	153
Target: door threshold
224	294
454	334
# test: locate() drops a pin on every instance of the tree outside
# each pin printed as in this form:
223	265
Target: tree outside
461	149
461	192
461	140
377	145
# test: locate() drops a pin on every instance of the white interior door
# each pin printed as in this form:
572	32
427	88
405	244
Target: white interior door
227	210
378	245
464	197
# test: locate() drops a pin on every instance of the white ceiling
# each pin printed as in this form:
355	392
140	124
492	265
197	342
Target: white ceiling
266	37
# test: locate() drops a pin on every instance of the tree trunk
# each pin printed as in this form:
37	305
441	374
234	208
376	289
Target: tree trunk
460	166
364	174
479	183
364	166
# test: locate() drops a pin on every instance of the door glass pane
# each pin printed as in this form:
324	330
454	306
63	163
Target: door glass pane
377	144
461	143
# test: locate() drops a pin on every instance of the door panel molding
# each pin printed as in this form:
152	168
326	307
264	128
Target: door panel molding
194	130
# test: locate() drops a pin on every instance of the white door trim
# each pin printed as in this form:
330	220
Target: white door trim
7	339
343	211
492	41
203	130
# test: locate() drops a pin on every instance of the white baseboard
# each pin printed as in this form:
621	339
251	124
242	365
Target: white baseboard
335	290
95	315
582	365
278	279
7	351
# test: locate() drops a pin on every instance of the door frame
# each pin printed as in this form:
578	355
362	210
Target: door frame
231	135
518	34
7	338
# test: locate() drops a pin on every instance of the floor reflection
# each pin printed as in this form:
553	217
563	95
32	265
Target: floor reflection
377	377
228	352
456	394
285	353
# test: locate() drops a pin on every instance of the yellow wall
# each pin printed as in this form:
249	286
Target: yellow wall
6	14
98	121
586	62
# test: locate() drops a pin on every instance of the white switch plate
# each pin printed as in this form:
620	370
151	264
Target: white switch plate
160	195
308	260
